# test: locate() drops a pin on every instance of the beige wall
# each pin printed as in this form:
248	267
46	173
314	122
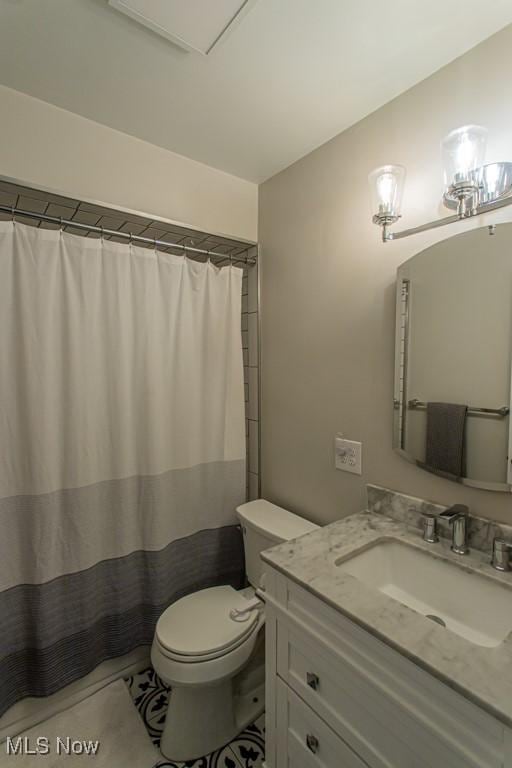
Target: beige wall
328	290
49	147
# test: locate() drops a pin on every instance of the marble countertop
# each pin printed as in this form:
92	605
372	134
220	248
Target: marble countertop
482	674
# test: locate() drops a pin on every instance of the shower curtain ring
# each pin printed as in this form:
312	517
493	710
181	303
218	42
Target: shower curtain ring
61	227
12	214
101	235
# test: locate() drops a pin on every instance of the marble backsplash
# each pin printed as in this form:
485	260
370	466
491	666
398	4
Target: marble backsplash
410	510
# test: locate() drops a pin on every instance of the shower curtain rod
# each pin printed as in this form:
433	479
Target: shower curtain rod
128	236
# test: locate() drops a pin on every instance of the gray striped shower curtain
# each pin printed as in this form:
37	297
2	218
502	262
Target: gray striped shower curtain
122	447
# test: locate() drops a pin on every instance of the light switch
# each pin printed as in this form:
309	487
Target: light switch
348	455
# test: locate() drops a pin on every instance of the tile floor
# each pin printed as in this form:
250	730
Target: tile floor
151	697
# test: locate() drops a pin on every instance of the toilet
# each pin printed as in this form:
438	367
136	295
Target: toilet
209	645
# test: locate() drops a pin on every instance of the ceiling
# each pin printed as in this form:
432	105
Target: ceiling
290	76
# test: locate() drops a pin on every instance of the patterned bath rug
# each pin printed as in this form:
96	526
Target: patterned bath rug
103	731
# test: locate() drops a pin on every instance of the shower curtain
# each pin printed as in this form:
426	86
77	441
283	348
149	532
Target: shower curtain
122	447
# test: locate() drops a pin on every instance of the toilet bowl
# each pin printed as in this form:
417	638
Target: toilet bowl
209	646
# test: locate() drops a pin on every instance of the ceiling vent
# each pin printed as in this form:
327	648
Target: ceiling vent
194	25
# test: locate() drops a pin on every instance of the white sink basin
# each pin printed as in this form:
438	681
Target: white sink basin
467	603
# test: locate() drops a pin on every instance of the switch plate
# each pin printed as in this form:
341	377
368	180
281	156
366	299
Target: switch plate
348	455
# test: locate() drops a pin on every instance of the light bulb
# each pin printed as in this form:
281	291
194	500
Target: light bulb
386	186
463	152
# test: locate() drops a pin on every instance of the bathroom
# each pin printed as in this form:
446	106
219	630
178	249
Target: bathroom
255	384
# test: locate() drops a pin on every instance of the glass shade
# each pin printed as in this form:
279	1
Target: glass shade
463	151
386	187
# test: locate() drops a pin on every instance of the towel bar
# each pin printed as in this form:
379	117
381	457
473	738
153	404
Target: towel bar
416	404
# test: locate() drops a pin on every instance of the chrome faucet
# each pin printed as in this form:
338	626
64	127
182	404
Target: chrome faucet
458	516
501	555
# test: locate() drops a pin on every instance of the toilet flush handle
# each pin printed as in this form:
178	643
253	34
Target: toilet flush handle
243	614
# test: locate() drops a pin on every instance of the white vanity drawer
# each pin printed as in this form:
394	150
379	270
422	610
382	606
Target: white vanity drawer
366	714
304	740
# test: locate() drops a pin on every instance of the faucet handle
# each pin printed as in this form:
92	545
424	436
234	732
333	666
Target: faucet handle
429	527
501	554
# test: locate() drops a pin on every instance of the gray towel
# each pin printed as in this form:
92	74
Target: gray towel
446	438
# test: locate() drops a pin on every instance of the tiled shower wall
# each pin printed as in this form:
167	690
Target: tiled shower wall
250	341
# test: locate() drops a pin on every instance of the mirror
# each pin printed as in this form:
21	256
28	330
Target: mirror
453	358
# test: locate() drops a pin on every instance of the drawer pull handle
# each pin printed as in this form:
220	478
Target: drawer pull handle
312	680
312	743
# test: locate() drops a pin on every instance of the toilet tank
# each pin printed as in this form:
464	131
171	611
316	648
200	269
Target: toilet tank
264	525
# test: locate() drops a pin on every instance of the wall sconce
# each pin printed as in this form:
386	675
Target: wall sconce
463	153
471	187
387	188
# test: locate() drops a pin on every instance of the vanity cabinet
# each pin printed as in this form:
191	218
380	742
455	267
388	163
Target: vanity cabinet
338	697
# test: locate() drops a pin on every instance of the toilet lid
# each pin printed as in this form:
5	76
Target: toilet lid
200	624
